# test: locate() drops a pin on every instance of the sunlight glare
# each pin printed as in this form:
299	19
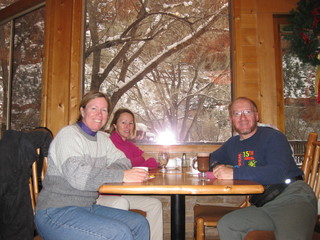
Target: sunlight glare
166	138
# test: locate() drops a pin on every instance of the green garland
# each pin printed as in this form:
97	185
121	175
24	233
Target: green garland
305	27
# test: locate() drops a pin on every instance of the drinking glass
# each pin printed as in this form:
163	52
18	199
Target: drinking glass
202	161
163	158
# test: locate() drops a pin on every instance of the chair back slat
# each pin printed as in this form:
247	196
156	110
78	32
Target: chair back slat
308	156
34	179
44	167
33	201
315	176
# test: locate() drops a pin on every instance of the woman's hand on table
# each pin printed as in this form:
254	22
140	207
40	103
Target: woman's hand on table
135	175
223	172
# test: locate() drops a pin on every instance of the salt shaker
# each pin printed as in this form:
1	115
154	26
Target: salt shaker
184	160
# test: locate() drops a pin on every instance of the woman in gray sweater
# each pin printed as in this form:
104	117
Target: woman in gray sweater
79	161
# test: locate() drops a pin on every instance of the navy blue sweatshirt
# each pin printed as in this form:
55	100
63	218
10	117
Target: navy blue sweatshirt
266	157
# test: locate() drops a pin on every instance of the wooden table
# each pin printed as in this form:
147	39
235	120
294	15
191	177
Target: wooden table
178	183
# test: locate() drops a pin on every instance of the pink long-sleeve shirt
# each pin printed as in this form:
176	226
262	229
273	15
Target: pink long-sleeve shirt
132	152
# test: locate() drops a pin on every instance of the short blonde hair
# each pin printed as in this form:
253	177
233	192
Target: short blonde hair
90	96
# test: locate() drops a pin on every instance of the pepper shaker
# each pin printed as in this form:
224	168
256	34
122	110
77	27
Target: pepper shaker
184	160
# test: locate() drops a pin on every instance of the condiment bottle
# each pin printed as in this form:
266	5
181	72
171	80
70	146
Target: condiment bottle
184	160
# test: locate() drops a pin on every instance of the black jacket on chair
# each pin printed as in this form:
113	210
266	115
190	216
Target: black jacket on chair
17	153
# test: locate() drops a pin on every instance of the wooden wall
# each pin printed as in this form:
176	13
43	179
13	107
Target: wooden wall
254	57
62	88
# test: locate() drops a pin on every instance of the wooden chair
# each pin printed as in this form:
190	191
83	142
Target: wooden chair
34	183
310	168
208	216
34	186
34	180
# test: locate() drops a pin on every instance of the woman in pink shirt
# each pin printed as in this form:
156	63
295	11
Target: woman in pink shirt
122	130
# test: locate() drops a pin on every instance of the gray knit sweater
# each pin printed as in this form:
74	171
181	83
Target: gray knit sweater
77	165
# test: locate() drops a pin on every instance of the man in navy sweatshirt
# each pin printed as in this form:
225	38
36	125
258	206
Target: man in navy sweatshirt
262	154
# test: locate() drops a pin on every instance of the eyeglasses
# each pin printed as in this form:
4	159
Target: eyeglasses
246	112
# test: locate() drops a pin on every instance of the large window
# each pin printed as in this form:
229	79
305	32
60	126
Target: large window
6	3
302	112
167	61
21	56
297	80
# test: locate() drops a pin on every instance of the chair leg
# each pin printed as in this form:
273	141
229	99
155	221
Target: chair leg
199	229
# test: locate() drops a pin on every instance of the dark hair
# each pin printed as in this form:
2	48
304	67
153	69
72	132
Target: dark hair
90	96
116	117
254	105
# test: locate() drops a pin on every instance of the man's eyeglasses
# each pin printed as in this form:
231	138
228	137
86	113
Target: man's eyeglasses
245	112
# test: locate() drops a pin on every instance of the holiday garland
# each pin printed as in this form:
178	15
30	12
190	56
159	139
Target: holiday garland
305	27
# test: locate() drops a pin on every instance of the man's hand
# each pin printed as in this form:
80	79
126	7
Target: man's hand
223	172
135	175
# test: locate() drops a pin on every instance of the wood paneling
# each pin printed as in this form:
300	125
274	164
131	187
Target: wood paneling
249	20
194	148
278	60
76	66
245	4
248	36
250	71
254	49
63	64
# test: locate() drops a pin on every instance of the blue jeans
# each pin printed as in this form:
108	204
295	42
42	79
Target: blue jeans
91	223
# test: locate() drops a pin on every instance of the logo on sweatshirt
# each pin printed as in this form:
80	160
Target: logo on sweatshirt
247	158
